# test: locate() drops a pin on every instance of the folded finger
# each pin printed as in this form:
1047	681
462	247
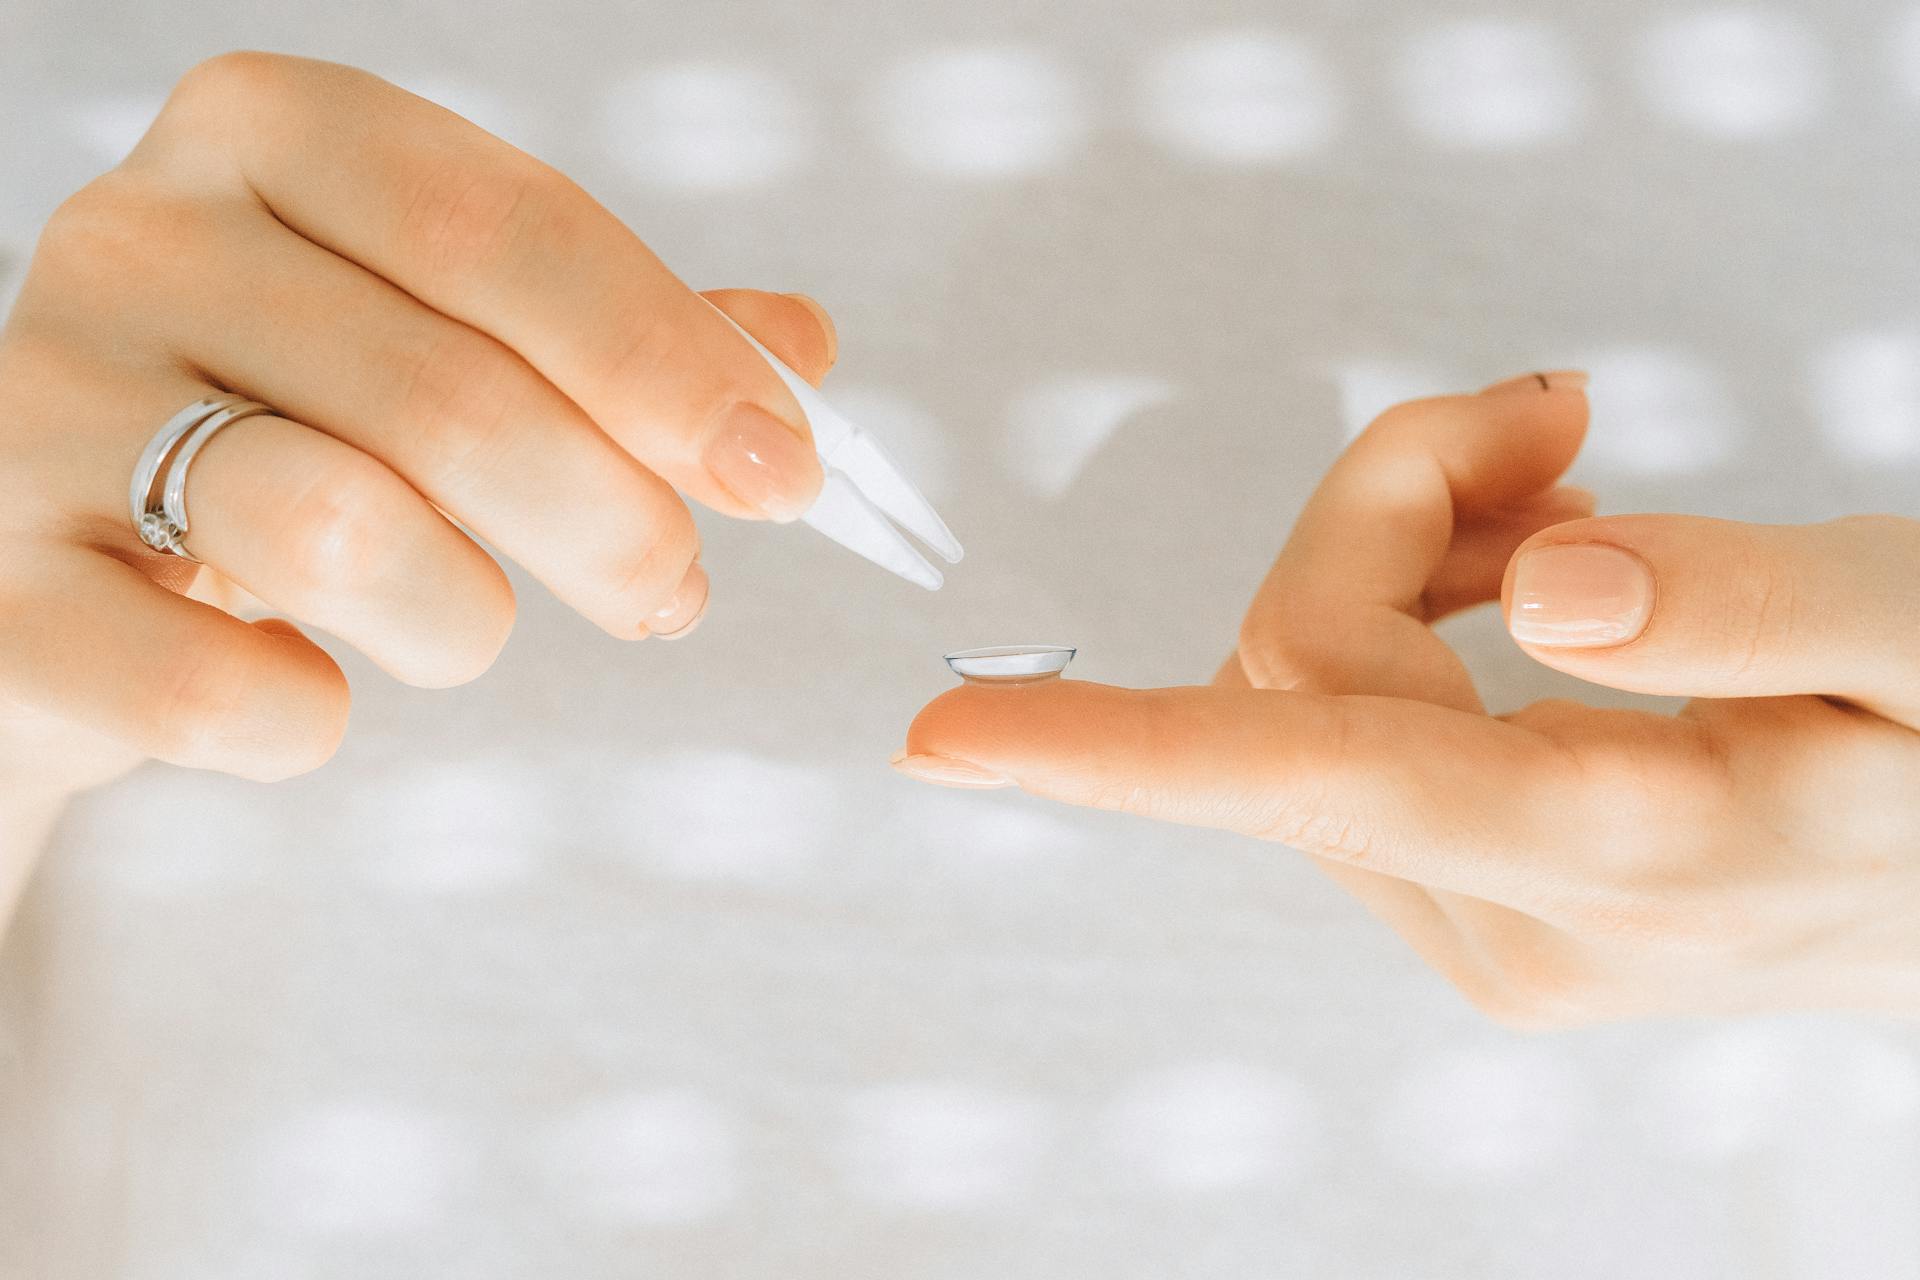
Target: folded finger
1345	607
489	236
96	642
461	418
327	534
1475	565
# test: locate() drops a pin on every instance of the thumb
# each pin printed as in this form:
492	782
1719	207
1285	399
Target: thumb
1715	608
791	325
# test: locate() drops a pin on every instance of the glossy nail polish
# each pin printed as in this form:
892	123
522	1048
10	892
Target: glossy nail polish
763	462
1582	595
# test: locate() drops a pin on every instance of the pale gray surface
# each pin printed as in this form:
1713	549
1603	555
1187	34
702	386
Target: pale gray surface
639	962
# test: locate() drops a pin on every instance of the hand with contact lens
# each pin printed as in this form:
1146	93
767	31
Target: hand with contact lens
422	325
1562	864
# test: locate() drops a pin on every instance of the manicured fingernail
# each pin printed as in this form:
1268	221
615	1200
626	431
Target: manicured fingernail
1557	380
682	614
764	462
948	772
826	325
1580	595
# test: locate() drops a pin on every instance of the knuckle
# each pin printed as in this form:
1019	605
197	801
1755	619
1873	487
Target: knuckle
648	565
1414	416
100	232
334	531
648	346
458	393
1639	774
476	215
238	77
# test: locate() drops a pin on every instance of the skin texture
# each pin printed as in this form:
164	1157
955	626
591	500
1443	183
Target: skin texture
449	331
1563	864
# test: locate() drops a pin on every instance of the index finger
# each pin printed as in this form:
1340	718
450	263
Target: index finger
1451	799
486	234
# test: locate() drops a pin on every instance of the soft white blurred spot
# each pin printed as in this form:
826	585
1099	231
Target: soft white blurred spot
1213	1126
1054	429
1001	830
980	837
911	436
457	827
1658	412
1491	84
478	103
173	833
1487	1112
642	1158
1875	1083
988	112
1866	393
109	127
353	1167
1723	1094
1239	97
724	815
704	127
931	1145
1732	73
1367	388
1736	1090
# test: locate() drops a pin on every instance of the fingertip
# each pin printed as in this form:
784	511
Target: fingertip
830	336
793	326
971	719
322	723
680	615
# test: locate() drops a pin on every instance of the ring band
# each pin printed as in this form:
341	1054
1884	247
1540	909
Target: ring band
160	519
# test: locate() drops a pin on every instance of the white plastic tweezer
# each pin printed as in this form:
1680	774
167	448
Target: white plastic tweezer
865	494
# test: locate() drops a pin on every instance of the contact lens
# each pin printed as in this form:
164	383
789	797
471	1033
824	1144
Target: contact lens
1011	663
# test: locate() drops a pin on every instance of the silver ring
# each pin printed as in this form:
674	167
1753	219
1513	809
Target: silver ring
160	518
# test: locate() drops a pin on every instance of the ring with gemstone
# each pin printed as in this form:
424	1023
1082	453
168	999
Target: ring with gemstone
159	510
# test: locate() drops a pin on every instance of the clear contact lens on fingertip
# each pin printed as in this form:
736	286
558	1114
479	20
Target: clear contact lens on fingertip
1011	663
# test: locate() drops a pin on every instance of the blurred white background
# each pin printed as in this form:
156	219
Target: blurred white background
638	961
